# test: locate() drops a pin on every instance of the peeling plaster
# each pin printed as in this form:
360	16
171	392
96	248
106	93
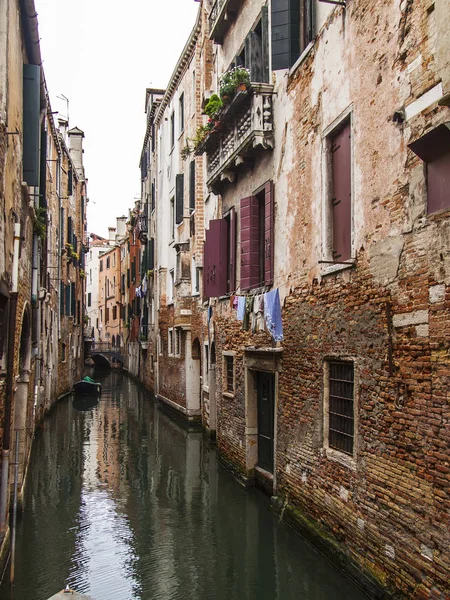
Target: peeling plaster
385	259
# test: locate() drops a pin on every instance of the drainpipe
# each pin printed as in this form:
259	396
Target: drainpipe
9	380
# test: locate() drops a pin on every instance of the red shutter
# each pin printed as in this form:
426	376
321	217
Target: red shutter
232	250
438	181
249	242
215	260
269	233
342	193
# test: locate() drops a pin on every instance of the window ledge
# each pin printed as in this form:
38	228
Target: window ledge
341	458
330	269
301	58
229	395
195	294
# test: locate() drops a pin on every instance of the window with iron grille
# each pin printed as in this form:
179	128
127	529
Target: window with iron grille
341	406
229	373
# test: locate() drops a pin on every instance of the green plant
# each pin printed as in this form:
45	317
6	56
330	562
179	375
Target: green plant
227	87
150	273
40	222
240	75
213	106
85	319
200	134
185	151
82	274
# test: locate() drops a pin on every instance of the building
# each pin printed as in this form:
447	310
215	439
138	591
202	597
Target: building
325	211
42	186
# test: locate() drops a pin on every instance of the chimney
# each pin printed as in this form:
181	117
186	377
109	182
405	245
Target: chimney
63	124
121	228
76	149
112	234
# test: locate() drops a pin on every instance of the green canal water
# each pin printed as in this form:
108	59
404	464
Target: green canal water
124	503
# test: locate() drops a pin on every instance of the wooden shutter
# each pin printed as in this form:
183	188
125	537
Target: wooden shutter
285	33
73	301
69	230
265	44
31	129
153	195
179	195
215	259
341	200
269	233
232	250
249	242
70	182
253	56
43	170
67	305
438	183
192	185
61	221
151	253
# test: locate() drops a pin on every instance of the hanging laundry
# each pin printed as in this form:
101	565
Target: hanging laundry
272	315
138	292
258	314
240	308
144	285
248	310
234	302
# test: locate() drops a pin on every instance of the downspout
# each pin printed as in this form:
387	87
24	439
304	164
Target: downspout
9	380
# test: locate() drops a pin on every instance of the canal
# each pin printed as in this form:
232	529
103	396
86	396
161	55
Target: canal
123	503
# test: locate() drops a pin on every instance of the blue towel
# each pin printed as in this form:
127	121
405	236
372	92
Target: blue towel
272	315
241	308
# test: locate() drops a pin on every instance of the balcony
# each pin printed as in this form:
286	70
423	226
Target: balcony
245	124
221	16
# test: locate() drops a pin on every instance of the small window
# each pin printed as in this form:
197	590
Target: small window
108	263
63	352
170	342
229	374
172	130
114	312
178	341
101	265
89	299
341	406
434	149
181	113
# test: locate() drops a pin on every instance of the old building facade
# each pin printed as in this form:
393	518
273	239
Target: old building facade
41	175
323	206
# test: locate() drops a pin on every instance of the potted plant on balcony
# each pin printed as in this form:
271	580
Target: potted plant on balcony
144	341
241	78
227	87
200	135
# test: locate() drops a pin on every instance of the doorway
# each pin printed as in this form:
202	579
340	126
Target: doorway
265	390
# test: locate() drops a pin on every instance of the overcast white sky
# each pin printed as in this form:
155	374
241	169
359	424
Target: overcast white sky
101	55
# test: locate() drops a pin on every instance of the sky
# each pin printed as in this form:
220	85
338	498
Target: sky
102	55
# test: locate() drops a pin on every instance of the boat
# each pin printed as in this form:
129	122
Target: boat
67	593
87	386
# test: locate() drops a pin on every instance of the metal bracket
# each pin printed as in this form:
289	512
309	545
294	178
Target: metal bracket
16	132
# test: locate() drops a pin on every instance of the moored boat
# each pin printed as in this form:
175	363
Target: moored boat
68	593
87	386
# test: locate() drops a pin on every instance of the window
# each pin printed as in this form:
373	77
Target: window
219	269
170	343
101	265
195	278
179	194
193	91
228	374
171	287
153	195
340	405
192	186
172	130
89	299
178	341
133	270
338	199
108	263
114	312
434	149
172	218
257	238
292	31
255	55
181	108
63	352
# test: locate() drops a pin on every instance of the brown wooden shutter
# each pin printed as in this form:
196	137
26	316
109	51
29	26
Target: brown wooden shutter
438	182
192	185
232	251
341	194
179	193
249	242
268	233
215	259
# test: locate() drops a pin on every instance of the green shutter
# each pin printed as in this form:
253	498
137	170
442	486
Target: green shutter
179	191
285	33
31	130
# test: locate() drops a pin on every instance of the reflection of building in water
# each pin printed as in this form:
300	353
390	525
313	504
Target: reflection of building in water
109	466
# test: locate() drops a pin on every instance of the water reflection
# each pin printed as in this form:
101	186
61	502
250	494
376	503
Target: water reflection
123	503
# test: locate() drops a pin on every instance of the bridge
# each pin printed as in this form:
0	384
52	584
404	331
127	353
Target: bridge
104	354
